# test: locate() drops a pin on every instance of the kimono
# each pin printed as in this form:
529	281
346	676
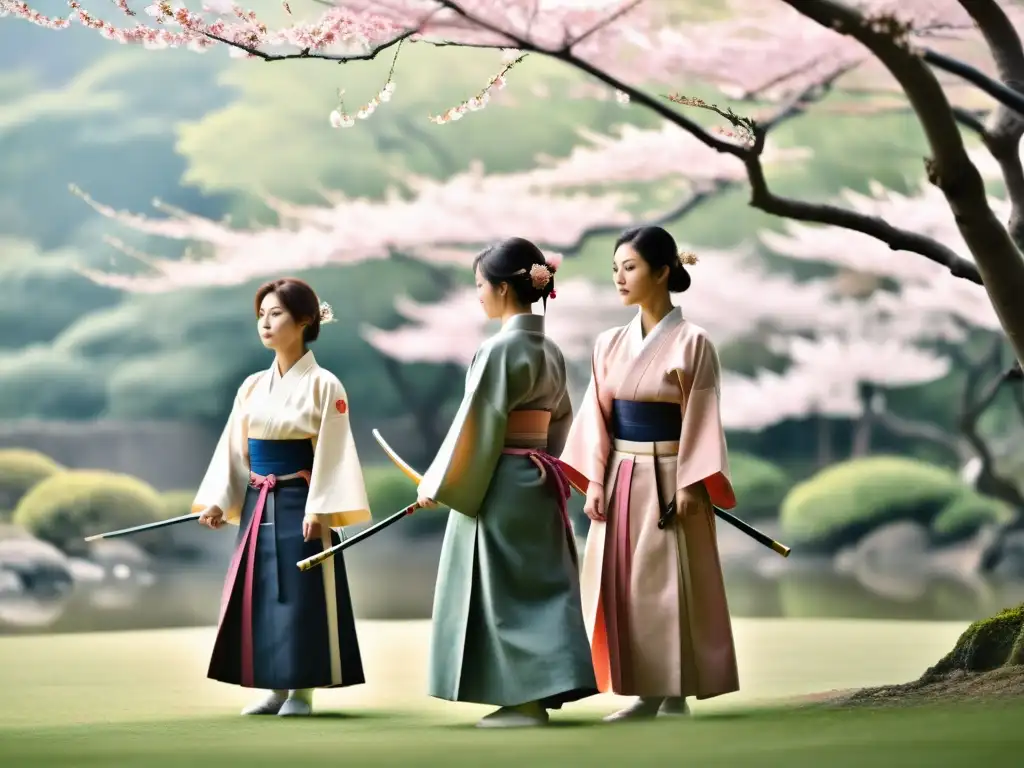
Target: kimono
654	599
508	627
286	451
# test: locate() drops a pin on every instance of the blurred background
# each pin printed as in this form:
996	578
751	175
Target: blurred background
870	424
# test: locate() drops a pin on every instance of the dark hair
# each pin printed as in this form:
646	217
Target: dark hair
299	299
509	261
658	248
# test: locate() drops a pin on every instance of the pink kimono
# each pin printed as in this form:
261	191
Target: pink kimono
654	599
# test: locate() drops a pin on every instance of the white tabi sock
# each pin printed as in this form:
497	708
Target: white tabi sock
304	694
299	703
269	705
644	706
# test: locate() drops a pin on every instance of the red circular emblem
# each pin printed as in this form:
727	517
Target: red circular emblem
341	405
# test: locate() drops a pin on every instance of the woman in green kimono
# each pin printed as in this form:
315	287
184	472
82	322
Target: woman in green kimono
508	624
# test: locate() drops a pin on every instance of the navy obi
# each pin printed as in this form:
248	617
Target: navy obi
645	421
280	457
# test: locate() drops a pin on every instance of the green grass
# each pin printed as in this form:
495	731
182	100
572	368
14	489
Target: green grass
141	699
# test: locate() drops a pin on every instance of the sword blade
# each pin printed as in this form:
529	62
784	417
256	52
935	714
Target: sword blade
144	527
411	473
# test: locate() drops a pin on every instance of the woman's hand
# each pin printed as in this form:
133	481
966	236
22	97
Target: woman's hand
310	528
425	502
689	500
593	507
212	517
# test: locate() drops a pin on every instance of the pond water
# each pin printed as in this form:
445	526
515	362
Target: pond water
176	595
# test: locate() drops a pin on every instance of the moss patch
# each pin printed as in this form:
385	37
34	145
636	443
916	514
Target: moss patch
987	661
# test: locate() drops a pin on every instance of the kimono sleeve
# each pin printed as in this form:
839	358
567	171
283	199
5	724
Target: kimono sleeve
227	475
461	472
703	455
588	443
337	491
561	423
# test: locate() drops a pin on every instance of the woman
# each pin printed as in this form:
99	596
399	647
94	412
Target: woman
507	623
286	472
653	596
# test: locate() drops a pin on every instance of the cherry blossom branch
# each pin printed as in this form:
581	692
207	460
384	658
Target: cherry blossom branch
308	53
687	205
1006	96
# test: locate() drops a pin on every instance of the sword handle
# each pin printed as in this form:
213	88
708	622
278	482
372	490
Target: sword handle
315	560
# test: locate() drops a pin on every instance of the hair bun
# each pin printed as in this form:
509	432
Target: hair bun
687	257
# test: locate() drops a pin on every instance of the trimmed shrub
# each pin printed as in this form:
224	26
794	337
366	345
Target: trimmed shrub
389	490
20	470
966	514
68	506
840	504
760	486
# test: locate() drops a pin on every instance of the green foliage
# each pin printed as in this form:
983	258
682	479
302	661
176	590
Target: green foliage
117	111
183	355
840	504
44	293
294	152
966	514
390	490
176	503
760	485
20	470
68	506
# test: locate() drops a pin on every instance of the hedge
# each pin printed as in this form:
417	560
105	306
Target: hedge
20	470
840	504
760	485
389	490
68	506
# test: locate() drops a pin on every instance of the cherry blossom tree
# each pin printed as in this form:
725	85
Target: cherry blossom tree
761	48
612	40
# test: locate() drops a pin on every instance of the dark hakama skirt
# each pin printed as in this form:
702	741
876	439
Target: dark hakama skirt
282	628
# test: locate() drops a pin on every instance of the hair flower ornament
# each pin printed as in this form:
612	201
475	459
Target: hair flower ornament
540	275
326	313
687	257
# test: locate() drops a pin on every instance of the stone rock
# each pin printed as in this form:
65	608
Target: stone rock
35	582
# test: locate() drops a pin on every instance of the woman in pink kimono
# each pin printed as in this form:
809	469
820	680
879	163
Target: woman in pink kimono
648	437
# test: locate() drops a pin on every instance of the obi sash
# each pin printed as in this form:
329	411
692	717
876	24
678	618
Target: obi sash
526	434
646	422
272	464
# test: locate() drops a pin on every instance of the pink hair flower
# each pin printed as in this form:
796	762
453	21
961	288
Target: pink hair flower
540	275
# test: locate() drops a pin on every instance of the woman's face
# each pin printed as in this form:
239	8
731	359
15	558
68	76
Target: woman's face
492	298
277	328
633	277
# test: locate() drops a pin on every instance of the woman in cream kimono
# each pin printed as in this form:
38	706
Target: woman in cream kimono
508	628
286	472
648	434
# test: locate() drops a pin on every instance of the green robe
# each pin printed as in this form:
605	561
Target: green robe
507	622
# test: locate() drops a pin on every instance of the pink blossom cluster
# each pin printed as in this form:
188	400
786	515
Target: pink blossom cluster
179	27
440	221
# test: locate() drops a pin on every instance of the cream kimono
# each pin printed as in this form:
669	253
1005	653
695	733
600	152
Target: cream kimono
286	452
654	599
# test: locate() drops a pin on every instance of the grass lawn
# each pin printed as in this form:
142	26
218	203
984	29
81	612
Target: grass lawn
141	699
